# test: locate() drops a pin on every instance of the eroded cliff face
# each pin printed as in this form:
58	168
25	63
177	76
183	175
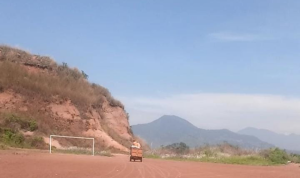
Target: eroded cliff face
61	100
108	125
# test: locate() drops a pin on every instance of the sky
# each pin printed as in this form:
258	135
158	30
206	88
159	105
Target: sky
219	64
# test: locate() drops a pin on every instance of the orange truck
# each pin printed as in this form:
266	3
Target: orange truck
136	154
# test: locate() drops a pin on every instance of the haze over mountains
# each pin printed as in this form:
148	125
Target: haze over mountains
172	129
290	142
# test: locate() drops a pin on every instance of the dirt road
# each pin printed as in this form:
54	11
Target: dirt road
43	165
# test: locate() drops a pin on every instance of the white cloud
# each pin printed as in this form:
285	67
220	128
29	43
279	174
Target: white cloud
217	111
226	36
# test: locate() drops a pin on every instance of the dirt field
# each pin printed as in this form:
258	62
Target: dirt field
24	164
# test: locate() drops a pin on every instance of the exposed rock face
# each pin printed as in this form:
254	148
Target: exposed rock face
65	116
116	119
8	101
65	111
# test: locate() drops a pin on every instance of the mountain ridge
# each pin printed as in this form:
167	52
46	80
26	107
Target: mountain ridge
170	129
289	142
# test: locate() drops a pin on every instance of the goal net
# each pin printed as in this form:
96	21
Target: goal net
86	141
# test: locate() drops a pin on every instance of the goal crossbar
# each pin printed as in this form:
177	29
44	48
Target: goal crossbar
62	136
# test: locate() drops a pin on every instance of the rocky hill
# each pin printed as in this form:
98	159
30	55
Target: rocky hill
172	129
39	97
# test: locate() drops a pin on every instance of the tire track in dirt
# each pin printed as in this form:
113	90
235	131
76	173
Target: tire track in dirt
122	171
111	172
137	169
172	169
149	172
153	170
142	172
131	171
162	171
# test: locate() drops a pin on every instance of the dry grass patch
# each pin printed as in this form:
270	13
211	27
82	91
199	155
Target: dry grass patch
79	90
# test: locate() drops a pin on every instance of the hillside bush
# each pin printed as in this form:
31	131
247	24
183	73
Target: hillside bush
33	125
276	155
12	138
16	122
295	158
37	142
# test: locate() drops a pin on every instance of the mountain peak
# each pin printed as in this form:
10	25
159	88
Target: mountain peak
174	121
171	118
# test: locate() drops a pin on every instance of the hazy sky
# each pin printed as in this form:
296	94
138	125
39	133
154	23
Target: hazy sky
218	63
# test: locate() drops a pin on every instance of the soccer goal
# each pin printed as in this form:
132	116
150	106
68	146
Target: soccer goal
71	137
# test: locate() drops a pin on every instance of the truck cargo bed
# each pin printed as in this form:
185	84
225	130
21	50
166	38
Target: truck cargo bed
136	154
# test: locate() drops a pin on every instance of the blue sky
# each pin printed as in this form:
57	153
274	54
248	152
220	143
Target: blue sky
158	49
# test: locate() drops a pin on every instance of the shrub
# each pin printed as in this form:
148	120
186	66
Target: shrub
209	153
12	138
33	125
295	158
37	142
178	148
104	153
232	149
84	75
276	155
15	122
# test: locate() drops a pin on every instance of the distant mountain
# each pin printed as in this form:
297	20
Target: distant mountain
289	142
172	129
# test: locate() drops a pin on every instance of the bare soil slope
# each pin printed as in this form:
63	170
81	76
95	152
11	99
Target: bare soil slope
60	99
36	165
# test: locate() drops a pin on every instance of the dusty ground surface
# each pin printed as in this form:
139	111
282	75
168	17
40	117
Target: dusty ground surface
31	164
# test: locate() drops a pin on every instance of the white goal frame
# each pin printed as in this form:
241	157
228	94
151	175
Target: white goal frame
62	136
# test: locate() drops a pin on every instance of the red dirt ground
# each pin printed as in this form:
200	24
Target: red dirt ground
29	164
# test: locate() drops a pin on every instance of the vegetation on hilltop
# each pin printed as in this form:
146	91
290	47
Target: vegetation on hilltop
53	80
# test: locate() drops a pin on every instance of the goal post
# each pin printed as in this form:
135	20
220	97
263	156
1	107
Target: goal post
62	136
